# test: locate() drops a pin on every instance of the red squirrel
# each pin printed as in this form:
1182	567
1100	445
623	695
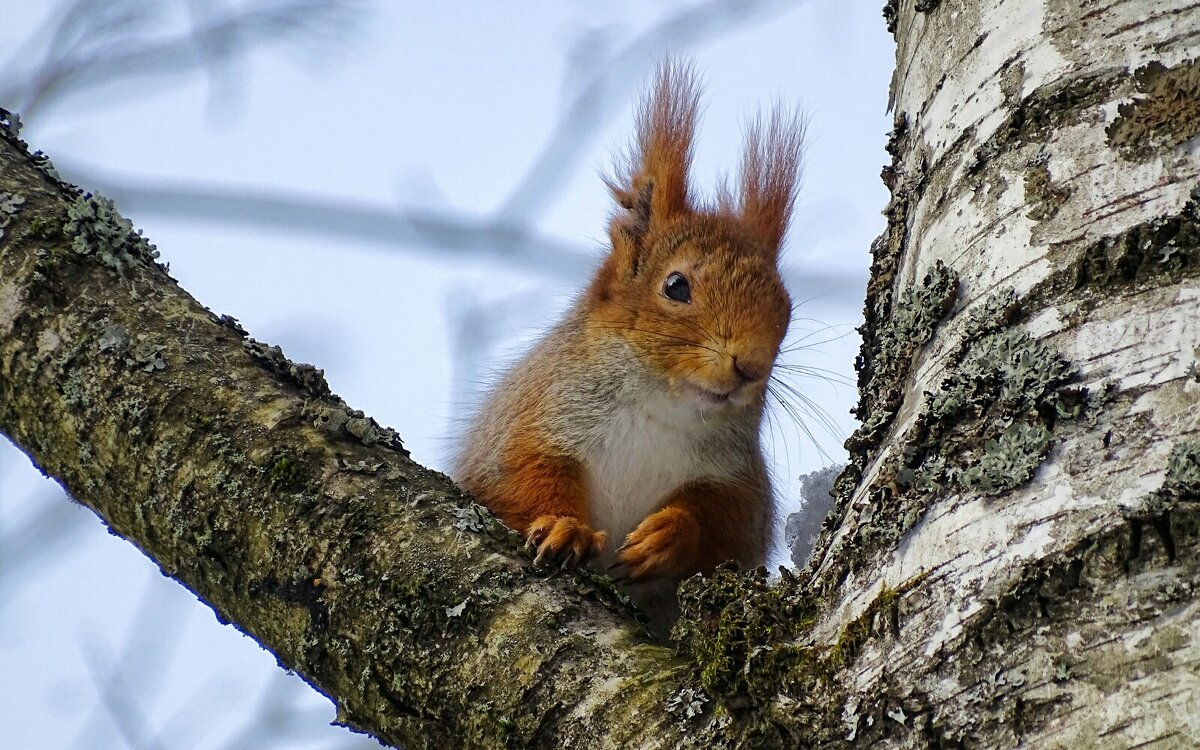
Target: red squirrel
637	417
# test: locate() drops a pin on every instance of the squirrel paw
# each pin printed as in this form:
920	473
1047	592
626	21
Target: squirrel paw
662	545
565	539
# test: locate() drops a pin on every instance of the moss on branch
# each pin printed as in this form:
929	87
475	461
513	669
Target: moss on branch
296	518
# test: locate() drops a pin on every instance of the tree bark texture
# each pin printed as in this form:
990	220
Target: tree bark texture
301	522
1012	556
1035	465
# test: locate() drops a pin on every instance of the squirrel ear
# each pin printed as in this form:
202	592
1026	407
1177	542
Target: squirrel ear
651	183
771	166
629	226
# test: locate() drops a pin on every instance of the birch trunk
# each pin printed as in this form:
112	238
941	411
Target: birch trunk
1012	556
1031	473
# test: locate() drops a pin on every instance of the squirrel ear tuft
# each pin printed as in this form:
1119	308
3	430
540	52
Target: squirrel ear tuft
771	169
651	182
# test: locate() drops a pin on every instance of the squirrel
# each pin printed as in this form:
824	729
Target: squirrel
637	417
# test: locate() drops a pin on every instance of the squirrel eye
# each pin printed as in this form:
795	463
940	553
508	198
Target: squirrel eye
676	287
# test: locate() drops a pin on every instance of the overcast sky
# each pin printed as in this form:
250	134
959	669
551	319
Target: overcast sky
402	108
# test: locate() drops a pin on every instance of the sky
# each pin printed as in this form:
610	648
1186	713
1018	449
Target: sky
392	110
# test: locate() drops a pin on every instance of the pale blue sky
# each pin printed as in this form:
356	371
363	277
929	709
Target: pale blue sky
426	106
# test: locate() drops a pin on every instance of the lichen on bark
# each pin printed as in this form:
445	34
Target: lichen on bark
296	518
1163	112
97	229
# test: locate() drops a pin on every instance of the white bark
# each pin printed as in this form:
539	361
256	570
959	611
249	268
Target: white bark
1011	186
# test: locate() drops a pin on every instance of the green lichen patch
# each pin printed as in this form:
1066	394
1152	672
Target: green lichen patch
148	354
41	229
10	121
1042	195
886	354
891	15
1182	479
984	430
310	379
687	703
10	127
232	324
1007	461
748	643
909	327
728	622
891	11
285	474
1047	109
886	251
1161	250
887	248
741	634
102	233
1164	112
9	203
114	338
989	424
332	416
142	351
1183	470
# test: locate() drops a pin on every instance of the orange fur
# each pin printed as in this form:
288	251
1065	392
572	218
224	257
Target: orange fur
654	179
542	497
699	527
771	165
638	415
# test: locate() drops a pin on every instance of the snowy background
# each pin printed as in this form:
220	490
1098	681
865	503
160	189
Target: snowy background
403	194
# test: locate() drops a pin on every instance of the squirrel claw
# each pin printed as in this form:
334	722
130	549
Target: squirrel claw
564	539
620	572
661	546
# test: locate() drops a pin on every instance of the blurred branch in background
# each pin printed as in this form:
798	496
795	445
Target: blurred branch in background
520	246
276	720
119	703
88	44
393	229
476	327
599	80
126	682
26	547
94	42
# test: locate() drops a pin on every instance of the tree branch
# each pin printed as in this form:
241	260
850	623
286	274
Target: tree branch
297	519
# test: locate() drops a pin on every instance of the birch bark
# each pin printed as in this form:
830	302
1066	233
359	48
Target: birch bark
1033	468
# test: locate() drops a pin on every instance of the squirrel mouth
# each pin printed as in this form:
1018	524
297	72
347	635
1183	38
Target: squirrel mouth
710	396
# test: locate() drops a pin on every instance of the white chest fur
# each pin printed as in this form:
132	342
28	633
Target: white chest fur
641	454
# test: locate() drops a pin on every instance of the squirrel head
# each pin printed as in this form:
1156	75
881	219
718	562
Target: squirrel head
695	290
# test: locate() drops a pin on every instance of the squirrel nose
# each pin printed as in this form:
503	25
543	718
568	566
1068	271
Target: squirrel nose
747	369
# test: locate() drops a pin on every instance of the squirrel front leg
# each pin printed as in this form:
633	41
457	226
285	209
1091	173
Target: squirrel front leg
542	497
701	525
